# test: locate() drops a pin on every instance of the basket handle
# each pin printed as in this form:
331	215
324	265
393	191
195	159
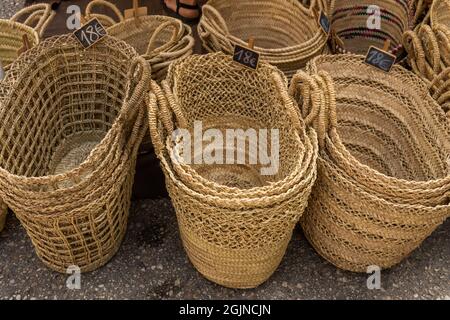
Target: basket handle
38	15
139	77
317	101
416	52
176	25
440	84
209	13
106	20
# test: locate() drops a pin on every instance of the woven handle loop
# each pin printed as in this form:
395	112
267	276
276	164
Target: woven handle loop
37	16
440	86
416	52
176	25
210	14
317	101
139	76
106	20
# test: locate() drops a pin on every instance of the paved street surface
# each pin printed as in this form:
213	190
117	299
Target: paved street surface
151	264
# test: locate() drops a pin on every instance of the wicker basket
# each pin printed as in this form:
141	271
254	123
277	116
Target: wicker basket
70	127
236	240
35	21
350	25
159	39
286	33
383	171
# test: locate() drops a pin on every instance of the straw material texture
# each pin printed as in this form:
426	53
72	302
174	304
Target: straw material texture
159	39
235	223
286	33
352	30
71	122
31	21
383	170
428	49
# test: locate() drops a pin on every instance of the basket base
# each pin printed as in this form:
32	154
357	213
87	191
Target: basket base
233	268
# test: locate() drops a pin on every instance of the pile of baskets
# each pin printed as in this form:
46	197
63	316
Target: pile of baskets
71	122
383	171
235	217
355	28
287	34
428	49
160	40
35	20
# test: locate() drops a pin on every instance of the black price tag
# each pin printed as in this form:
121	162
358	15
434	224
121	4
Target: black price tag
246	57
90	33
380	59
324	22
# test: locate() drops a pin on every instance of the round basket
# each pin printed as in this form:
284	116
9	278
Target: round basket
159	39
355	29
383	170
236	240
286	33
35	21
71	123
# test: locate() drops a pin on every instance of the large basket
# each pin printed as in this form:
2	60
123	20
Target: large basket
286	33
35	21
383	171
71	123
352	34
236	240
159	39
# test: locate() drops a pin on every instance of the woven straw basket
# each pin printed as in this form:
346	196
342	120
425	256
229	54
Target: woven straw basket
71	122
159	39
35	20
351	32
383	171
234	221
428	49
286	33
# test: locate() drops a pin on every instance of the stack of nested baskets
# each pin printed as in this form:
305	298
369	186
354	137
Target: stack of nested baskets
355	29
71	122
286	33
159	39
236	216
428	49
383	170
35	20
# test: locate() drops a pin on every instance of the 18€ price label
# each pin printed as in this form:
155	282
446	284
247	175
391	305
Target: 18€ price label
380	59
246	57
90	33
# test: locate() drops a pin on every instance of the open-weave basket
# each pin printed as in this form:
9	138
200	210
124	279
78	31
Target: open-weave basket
159	39
236	240
351	32
383	170
287	34
71	122
35	20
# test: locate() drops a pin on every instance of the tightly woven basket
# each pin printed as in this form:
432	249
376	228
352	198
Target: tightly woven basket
352	33
71	122
286	33
235	222
159	39
35	21
383	170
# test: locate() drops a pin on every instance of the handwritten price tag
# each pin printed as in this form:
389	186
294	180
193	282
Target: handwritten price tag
246	57
91	33
380	59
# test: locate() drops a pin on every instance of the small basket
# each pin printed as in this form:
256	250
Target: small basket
36	19
287	34
235	236
383	171
161	40
351	33
71	122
